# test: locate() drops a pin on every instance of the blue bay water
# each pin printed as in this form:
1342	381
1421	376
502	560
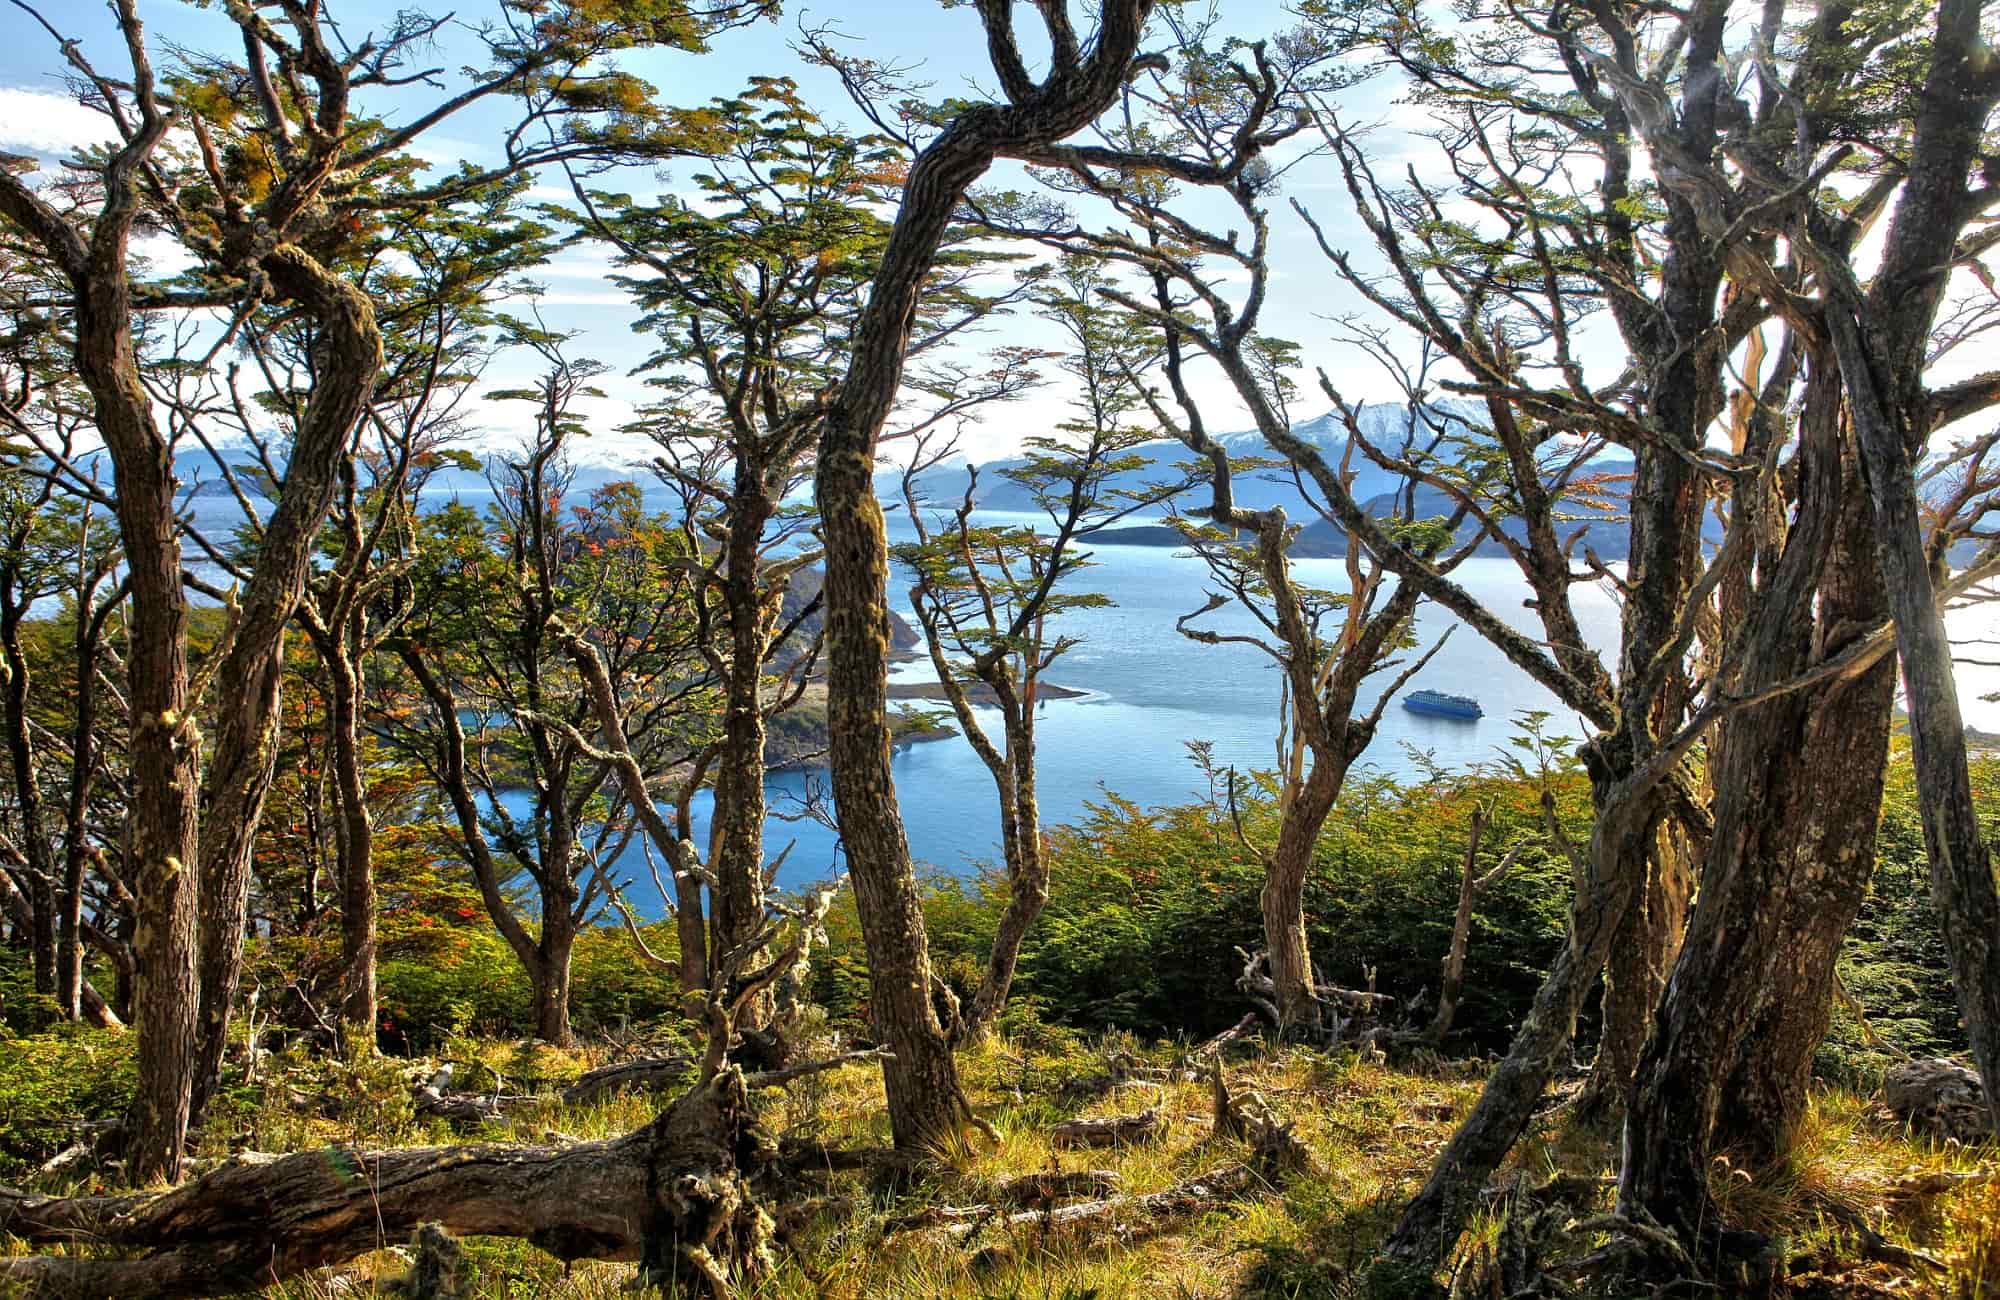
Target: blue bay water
1149	691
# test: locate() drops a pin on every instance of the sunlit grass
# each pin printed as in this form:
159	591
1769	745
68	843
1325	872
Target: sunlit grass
1373	1130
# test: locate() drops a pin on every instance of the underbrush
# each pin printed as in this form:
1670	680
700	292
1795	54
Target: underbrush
1372	1130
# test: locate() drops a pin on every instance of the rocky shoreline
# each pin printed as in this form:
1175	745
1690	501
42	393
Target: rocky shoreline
797	738
977	692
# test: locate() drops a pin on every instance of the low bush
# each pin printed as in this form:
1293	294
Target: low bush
1147	910
56	1082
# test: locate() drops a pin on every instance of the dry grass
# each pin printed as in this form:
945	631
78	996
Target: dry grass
1372	1131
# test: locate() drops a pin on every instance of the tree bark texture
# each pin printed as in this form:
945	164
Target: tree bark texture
1881	341
1798	791
164	758
246	745
738	857
926	1105
1283	897
1635	974
1027	868
673	1195
1665	508
550	977
355	831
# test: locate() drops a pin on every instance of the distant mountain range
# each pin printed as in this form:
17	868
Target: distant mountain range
1383	425
1165	461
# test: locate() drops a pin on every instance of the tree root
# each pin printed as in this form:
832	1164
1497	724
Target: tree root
1873	1244
1277	1151
1124	1218
1148	1125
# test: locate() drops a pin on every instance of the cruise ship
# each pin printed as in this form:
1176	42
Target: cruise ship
1443	705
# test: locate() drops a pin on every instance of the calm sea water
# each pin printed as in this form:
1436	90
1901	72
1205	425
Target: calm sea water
1150	691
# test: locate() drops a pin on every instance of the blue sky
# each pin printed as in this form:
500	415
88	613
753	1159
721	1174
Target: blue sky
943	46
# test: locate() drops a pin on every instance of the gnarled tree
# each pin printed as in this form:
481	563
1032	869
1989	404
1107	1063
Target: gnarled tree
268	180
1083	79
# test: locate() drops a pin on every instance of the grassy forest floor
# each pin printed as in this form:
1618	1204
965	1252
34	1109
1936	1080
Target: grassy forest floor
1371	1129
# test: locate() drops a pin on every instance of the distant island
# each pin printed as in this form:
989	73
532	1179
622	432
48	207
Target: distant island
1603	533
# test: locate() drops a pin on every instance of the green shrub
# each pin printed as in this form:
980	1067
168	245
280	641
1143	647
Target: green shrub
476	986
22	1010
611	984
1147	909
51	1082
1894	962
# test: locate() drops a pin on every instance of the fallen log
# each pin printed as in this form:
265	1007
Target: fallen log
73	1154
651	1073
1053	1185
1938	1182
436	1099
679	1195
1109	1130
1125	1218
1031	1191
676	1195
671	1195
1221	1042
467	1107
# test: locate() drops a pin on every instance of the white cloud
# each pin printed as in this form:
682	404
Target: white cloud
164	256
576	298
43	122
574	268
444	153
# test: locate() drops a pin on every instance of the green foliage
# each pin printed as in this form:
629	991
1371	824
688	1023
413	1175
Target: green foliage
472	984
1146	910
477	987
1895	962
22	1010
55	1079
612	985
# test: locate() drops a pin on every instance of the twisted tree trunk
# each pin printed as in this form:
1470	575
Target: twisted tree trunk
355	831
1881	339
739	772
1027	865
164	758
1283	897
1799	786
1635	975
926	1105
247	739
